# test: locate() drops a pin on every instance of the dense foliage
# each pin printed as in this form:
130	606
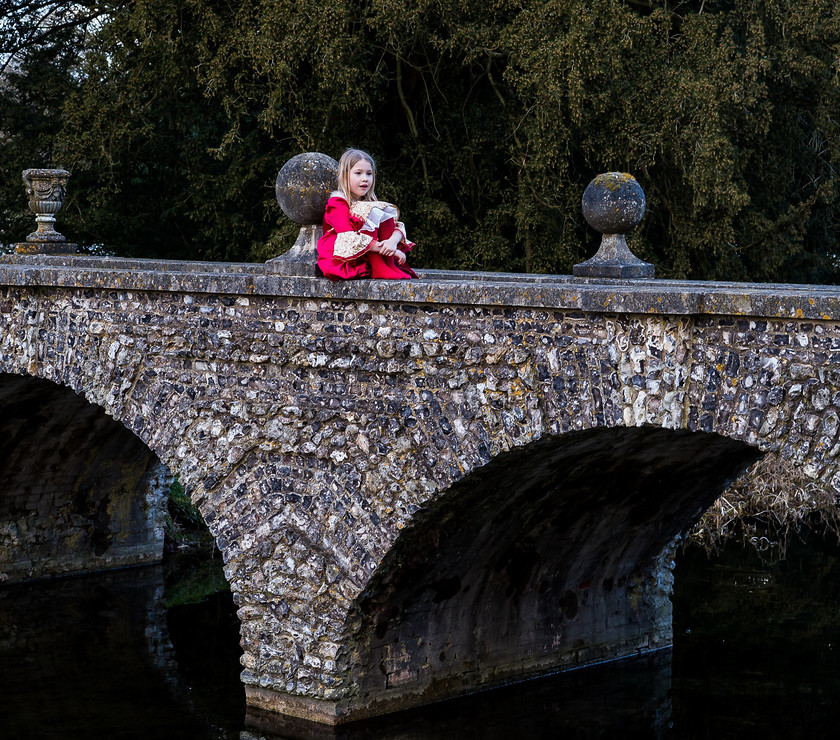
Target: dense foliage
487	118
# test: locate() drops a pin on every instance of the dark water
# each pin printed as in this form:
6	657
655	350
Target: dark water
757	643
756	655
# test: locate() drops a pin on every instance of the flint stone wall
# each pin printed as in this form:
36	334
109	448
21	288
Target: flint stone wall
324	428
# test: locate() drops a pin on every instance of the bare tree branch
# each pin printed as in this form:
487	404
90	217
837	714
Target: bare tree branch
25	24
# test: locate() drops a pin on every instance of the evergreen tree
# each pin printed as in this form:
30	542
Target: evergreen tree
38	64
487	119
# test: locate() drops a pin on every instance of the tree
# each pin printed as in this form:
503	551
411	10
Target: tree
28	25
39	49
487	119
722	111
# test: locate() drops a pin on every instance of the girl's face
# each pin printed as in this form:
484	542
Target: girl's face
361	179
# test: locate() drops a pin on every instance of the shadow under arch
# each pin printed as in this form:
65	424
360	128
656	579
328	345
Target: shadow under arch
79	492
551	556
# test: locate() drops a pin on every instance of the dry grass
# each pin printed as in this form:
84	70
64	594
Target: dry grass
769	503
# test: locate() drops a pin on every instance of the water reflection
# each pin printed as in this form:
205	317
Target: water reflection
756	654
757	642
100	656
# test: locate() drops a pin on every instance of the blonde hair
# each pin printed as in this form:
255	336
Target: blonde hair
348	160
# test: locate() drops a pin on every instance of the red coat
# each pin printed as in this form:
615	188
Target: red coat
344	249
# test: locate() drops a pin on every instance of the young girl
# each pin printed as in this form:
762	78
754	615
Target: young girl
362	235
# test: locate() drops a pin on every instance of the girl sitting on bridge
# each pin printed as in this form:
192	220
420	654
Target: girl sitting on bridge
362	235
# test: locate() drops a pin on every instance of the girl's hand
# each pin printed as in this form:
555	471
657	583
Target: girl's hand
399	257
394	240
388	248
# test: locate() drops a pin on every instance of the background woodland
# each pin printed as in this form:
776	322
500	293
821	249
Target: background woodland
487	119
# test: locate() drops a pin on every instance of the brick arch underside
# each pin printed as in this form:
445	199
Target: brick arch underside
78	491
548	557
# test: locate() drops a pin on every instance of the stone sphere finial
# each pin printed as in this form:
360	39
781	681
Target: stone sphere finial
303	188
45	193
614	204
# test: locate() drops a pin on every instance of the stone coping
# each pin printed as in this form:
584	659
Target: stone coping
488	289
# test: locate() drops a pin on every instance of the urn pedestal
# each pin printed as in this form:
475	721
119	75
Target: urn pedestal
45	192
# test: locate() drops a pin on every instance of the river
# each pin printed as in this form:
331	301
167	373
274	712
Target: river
132	654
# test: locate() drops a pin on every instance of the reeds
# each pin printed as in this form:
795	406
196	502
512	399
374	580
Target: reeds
765	506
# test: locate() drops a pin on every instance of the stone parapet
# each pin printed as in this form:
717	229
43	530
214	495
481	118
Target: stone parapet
439	287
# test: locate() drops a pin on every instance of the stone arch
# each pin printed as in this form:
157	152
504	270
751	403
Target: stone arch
117	350
655	379
237	392
549	557
78	491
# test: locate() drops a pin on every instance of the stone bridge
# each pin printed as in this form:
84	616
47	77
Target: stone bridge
419	488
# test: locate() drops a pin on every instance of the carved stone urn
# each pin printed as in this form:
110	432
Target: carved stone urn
45	192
